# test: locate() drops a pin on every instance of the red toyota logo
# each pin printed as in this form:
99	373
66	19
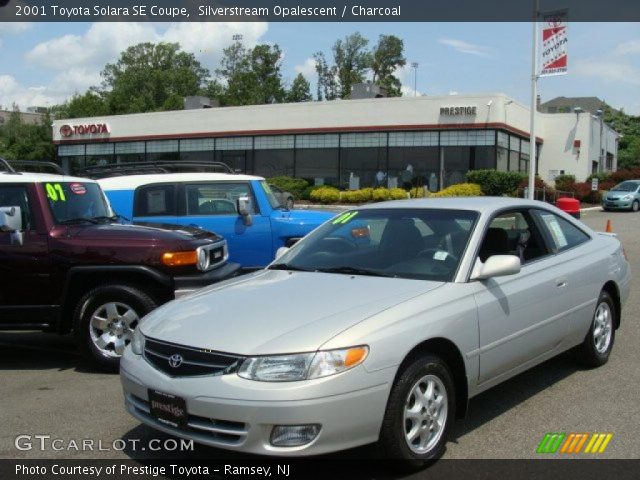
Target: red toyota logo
66	131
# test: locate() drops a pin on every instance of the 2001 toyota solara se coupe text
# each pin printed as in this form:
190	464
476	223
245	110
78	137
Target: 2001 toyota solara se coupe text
378	327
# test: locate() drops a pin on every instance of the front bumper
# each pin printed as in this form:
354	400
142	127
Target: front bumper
237	414
187	284
617	204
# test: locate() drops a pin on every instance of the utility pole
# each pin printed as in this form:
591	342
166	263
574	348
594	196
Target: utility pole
414	65
534	106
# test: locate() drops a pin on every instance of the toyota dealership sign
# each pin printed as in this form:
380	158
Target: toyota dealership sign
85	129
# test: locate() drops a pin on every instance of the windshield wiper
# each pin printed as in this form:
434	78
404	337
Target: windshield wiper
286	266
74	221
112	218
355	271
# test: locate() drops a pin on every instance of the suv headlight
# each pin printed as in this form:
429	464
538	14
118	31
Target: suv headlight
137	342
203	259
302	366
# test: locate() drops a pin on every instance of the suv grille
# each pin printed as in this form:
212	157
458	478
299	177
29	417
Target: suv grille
181	361
218	254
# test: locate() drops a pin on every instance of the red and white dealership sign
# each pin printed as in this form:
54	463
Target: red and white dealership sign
553	59
88	129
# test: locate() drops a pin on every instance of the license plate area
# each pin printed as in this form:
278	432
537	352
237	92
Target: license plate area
167	408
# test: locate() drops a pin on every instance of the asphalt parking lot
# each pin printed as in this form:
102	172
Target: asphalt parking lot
47	389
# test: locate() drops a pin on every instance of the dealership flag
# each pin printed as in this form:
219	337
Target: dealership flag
553	59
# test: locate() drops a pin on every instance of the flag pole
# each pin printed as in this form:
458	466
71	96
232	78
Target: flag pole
534	101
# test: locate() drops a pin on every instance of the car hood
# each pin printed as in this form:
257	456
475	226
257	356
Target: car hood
274	311
315	217
157	232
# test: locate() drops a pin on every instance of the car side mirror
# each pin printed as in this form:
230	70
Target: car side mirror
11	223
10	219
243	206
281	251
496	266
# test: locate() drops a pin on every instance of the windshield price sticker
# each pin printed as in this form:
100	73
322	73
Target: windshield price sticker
344	218
78	188
55	192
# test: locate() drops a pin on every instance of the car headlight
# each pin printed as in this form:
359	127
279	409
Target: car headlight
627	197
203	259
137	342
302	366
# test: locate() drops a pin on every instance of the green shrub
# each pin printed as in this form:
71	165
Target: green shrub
325	194
566	183
398	194
495	183
460	190
306	194
381	194
296	186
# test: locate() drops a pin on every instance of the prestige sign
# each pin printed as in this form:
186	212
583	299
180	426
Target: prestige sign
456	111
86	129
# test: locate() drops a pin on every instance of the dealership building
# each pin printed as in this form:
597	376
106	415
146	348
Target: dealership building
426	140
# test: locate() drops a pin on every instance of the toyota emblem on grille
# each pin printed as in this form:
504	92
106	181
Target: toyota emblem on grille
175	360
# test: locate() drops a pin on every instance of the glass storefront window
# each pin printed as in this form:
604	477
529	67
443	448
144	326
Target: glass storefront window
457	162
318	165
128	152
413	167
502	160
273	163
484	157
359	166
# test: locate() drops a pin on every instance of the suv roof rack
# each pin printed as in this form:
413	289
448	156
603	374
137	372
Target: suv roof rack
142	168
9	166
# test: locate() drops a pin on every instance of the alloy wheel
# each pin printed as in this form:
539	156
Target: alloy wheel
111	327
425	414
603	327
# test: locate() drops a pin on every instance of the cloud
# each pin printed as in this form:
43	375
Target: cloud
609	71
307	69
631	47
406	76
12	92
75	61
11	28
465	47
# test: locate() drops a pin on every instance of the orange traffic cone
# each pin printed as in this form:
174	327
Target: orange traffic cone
608	229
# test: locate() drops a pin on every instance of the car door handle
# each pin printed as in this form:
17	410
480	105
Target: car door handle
561	282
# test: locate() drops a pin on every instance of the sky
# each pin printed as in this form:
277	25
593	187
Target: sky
42	64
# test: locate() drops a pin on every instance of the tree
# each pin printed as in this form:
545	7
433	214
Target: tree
90	104
300	90
327	83
151	77
387	57
252	77
629	144
22	141
352	61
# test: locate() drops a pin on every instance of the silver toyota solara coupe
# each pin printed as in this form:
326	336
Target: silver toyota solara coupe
378	327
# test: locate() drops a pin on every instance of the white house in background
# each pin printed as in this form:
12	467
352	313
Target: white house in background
417	140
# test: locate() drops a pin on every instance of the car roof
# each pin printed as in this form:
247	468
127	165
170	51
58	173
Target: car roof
130	182
31	177
478	204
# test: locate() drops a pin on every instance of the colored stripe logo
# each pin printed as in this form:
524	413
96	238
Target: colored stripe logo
573	443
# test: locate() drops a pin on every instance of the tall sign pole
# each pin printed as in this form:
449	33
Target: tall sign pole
534	106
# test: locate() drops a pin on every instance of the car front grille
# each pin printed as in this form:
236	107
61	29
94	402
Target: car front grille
181	361
204	429
218	254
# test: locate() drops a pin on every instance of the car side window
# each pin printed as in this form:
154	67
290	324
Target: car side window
513	233
17	196
562	233
216	198
155	200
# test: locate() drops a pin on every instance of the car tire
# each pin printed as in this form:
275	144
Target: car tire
415	427
104	321
598	343
635	206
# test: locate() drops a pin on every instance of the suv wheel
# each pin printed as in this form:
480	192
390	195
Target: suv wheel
105	320
420	412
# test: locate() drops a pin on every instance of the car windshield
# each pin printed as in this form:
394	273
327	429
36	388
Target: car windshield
625	187
77	202
273	200
425	244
